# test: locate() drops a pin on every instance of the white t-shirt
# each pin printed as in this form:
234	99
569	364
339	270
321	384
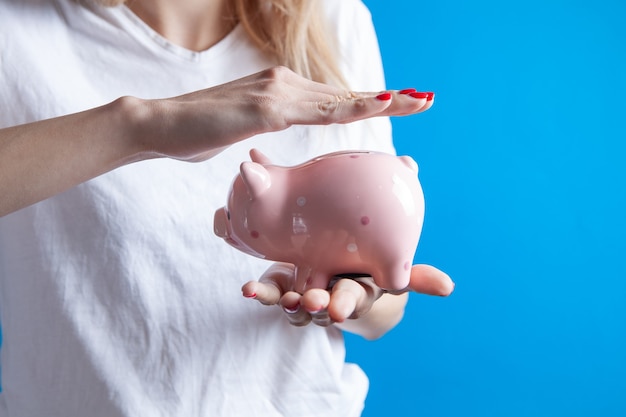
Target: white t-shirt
116	297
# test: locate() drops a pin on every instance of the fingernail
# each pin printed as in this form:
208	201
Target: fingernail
253	295
431	95
384	96
419	94
292	309
407	91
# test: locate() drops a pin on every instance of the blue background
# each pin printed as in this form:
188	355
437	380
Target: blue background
522	163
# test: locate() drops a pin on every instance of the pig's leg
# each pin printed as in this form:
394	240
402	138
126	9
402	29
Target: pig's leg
303	274
394	276
307	278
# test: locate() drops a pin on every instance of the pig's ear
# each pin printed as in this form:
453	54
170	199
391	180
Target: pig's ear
255	177
409	162
257	156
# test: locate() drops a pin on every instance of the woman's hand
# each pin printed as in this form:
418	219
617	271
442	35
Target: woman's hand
347	300
196	126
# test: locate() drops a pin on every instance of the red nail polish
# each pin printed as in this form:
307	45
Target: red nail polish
253	295
419	95
431	95
407	91
384	96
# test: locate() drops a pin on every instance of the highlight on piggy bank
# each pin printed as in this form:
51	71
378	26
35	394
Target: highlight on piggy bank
350	212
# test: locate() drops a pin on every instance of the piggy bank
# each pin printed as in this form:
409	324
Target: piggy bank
352	212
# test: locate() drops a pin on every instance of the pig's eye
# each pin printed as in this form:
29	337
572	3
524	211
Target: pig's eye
228	215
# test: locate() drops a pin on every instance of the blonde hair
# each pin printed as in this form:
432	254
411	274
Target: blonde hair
293	32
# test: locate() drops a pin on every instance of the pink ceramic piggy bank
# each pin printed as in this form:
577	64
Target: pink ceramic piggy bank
345	212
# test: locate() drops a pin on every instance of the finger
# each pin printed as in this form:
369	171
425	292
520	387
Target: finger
329	93
315	301
274	282
267	293
280	274
333	109
429	280
352	298
409	101
430	100
296	314
401	103
343	303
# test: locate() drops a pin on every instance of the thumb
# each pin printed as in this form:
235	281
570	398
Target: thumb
275	281
426	279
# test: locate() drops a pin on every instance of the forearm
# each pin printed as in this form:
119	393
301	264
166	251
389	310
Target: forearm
41	159
384	315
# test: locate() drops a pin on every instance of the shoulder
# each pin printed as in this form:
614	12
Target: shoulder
25	9
33	25
30	18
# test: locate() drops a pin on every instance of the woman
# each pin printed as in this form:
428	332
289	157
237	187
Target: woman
116	299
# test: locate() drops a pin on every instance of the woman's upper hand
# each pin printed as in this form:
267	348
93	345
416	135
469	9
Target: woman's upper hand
197	125
348	299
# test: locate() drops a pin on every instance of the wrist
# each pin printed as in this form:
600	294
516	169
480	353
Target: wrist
139	125
161	128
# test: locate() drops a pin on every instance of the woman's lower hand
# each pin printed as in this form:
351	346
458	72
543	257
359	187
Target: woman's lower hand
348	298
